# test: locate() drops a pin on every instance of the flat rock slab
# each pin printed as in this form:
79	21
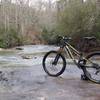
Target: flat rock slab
33	84
25	79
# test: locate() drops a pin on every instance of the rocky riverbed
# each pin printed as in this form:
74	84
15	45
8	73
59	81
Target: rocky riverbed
23	78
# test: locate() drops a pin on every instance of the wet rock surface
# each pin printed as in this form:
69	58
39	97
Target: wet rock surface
25	79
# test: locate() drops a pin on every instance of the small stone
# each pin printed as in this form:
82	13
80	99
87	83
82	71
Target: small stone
26	57
19	48
35	57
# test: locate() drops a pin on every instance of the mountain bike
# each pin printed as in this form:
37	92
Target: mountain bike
54	62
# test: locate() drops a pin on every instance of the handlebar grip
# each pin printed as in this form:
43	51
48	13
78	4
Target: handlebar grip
64	38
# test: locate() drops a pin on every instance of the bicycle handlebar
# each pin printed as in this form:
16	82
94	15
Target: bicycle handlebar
65	38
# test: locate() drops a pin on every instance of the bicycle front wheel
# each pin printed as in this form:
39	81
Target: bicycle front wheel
54	64
92	69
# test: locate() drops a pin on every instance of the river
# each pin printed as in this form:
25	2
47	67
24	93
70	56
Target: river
23	77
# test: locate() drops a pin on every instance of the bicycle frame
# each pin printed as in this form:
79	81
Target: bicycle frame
67	48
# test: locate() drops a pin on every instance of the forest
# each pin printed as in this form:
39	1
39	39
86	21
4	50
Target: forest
24	22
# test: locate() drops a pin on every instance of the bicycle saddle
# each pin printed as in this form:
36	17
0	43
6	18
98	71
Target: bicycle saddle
89	38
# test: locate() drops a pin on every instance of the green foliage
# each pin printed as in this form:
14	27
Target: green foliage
9	38
75	19
49	36
79	19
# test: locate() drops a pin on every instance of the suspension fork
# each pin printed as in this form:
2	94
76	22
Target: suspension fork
57	56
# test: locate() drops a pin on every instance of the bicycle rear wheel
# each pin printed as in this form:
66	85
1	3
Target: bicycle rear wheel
92	68
54	64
